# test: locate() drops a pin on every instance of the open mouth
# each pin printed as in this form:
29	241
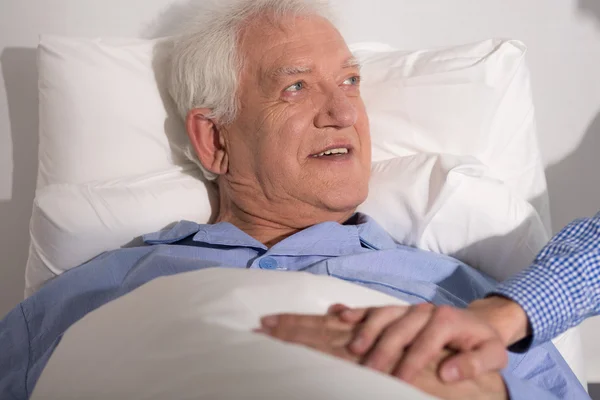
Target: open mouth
340	151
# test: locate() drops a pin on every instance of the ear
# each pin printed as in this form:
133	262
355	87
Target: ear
207	140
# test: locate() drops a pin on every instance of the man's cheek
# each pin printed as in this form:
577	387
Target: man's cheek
298	124
363	129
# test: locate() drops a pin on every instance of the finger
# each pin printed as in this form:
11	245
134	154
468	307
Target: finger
269	321
447	327
354	315
334	340
490	356
390	347
287	323
376	320
337	309
291	320
311	329
348	314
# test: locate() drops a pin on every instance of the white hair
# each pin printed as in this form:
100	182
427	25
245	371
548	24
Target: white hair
206	62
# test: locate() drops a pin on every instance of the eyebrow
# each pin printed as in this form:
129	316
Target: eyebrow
290	71
351	62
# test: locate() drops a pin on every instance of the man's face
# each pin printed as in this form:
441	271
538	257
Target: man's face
299	98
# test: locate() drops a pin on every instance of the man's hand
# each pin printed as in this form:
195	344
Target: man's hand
326	333
332	335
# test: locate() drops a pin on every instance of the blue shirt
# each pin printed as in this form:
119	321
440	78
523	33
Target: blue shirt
359	251
562	287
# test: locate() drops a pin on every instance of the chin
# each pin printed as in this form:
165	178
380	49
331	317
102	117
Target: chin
346	199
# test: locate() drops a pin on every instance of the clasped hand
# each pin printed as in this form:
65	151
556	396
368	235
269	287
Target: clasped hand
433	348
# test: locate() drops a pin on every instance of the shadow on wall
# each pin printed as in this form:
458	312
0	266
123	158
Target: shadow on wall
20	76
170	20
590	7
573	183
169	23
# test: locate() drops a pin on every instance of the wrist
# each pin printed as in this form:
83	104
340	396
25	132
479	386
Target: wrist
505	316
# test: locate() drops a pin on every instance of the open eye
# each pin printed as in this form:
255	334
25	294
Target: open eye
296	87
352	81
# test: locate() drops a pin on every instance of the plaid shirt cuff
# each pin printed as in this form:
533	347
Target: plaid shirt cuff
544	298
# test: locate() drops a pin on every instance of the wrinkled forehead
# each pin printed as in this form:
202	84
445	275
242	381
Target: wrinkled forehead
270	45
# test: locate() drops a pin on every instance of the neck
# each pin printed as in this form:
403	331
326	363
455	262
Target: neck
268	227
264	230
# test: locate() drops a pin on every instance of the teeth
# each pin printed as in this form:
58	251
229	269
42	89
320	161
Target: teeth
341	150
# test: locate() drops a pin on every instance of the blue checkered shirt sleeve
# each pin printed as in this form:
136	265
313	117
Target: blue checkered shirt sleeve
562	287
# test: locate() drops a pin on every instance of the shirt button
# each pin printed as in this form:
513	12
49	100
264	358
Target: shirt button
268	263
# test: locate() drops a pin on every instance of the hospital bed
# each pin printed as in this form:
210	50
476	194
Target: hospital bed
456	170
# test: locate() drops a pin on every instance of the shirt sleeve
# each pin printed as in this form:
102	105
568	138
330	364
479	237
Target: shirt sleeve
562	287
541	373
519	389
14	355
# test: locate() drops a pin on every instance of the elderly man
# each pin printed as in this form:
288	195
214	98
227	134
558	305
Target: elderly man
271	98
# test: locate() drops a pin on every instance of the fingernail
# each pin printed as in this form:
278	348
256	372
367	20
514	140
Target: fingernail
450	374
270	321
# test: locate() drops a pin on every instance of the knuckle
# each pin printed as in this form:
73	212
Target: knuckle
389	309
372	326
378	313
472	365
367	333
396	329
395	337
446	313
424	307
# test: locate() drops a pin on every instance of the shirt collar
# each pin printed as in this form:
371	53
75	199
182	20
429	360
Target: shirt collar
325	239
372	234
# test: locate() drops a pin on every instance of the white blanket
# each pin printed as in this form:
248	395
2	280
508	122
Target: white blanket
189	336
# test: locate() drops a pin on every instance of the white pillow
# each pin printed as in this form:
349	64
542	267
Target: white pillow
104	111
454	205
193	340
472	100
71	224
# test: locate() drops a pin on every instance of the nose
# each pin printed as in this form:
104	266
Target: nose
337	111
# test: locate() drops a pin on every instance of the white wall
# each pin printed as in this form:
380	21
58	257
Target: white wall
564	54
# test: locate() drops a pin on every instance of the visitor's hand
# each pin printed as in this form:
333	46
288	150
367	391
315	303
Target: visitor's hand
487	386
403	340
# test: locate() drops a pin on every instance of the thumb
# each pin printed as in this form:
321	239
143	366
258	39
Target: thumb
490	356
